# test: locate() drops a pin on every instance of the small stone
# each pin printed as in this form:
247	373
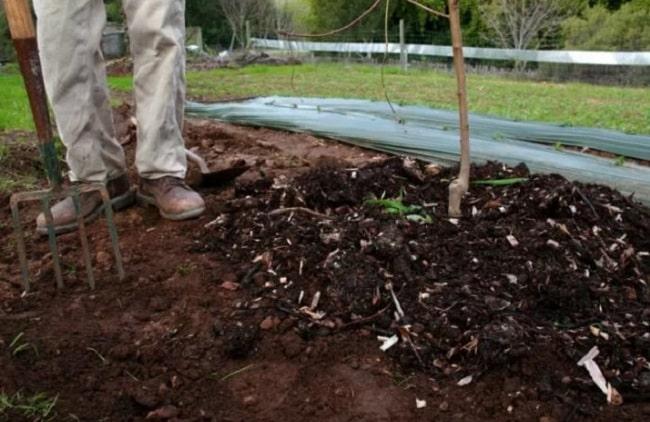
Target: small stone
163	413
269	323
146	398
567	380
292	345
230	286
249	401
163	390
432	170
444	406
103	259
630	294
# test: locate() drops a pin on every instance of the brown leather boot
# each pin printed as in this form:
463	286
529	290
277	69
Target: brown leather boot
173	198
63	213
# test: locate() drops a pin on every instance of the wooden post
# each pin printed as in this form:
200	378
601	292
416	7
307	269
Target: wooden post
459	187
248	35
404	57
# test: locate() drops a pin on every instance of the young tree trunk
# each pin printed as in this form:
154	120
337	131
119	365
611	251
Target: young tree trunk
459	187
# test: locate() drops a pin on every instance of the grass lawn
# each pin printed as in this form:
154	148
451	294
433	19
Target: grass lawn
624	109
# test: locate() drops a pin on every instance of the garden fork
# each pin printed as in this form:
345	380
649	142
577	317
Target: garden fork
21	26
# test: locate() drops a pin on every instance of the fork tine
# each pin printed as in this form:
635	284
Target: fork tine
84	238
52	240
20	243
108	210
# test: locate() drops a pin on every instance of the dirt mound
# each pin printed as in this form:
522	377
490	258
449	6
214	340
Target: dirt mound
537	273
269	306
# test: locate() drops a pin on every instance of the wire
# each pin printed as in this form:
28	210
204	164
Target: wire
383	64
335	31
355	22
428	9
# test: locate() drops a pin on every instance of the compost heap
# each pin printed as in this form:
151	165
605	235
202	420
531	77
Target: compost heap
538	272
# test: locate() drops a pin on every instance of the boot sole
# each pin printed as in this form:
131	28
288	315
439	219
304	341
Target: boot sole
118	203
149	201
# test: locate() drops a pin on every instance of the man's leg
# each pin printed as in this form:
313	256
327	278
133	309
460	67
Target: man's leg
69	37
157	32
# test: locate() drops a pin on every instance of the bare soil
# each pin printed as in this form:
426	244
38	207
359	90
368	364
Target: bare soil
215	320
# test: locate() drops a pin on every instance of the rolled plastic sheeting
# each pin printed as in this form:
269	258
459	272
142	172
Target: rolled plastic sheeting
432	135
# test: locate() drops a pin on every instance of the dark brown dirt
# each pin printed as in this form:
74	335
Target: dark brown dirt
208	324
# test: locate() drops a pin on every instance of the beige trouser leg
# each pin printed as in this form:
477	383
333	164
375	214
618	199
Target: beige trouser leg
157	31
69	34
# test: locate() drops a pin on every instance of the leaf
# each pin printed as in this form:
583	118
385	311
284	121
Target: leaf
390	205
417	218
501	182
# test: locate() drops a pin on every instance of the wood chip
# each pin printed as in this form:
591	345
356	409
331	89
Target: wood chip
466	381
512	240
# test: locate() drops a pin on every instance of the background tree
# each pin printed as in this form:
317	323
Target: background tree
293	15
627	29
260	13
209	17
421	26
114	11
6	48
526	24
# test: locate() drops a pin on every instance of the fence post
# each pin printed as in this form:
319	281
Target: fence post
248	34
404	55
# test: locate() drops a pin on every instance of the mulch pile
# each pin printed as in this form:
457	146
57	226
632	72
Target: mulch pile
534	276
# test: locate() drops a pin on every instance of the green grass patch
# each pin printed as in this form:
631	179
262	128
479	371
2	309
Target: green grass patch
14	108
38	407
576	104
17	183
15	177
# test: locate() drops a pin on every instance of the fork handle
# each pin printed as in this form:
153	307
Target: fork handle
21	26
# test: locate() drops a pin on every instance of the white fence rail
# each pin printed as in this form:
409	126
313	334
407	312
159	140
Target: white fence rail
551	56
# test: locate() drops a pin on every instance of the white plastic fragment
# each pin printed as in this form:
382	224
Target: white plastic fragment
388	342
512	240
398	306
466	381
512	279
613	396
553	244
420	404
317	316
315	300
